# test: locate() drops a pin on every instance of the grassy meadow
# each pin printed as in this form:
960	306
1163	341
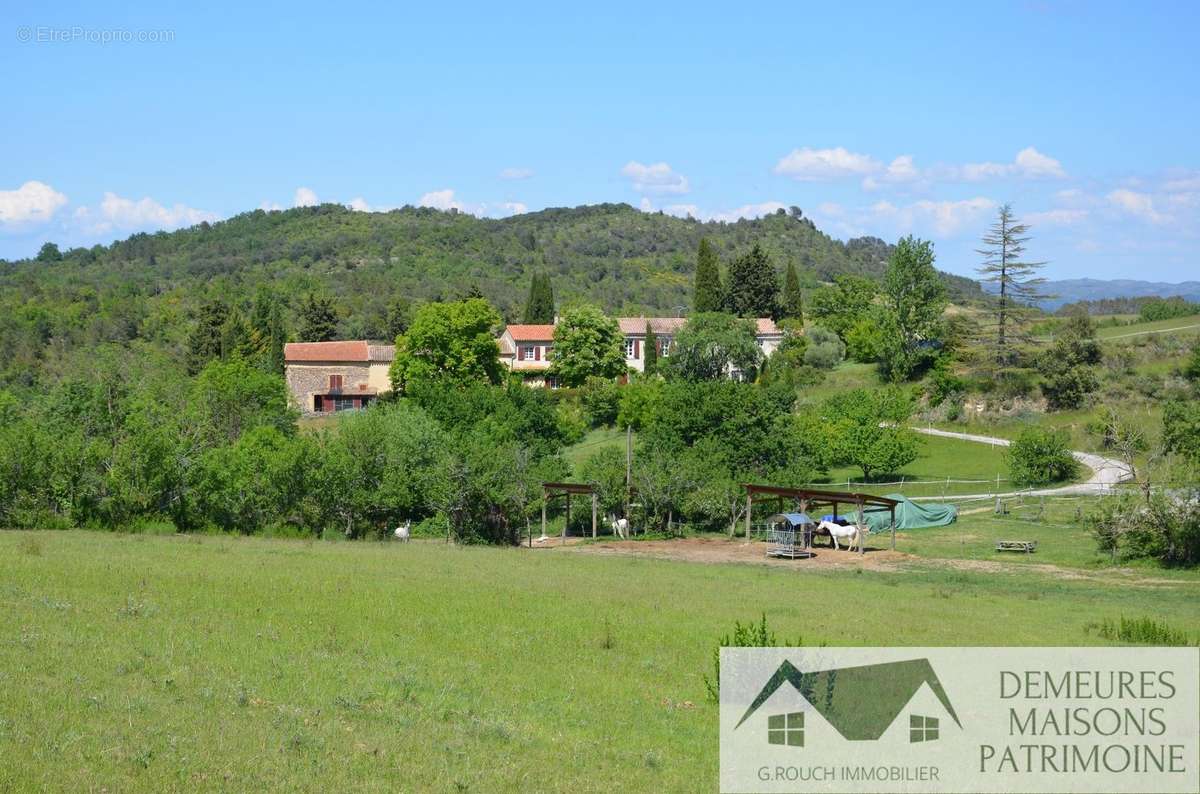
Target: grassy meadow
157	663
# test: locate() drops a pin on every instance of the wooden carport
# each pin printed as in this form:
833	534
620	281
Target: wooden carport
554	490
806	499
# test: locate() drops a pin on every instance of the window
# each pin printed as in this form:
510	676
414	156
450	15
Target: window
628	348
343	404
528	352
664	347
786	729
335	382
922	729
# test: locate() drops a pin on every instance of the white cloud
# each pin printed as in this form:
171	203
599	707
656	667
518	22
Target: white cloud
812	165
1033	164
305	197
656	178
1056	217
748	211
900	170
117	213
945	217
516	173
446	200
1139	205
440	200
359	204
32	202
1028	164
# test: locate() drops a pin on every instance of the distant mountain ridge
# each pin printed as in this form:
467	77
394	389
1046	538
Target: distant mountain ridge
1087	289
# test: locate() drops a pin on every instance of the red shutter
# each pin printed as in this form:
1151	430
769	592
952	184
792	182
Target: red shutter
520	352
335	382
637	348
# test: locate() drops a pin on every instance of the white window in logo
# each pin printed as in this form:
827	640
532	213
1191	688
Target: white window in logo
922	729
786	729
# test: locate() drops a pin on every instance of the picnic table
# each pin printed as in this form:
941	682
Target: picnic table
1027	546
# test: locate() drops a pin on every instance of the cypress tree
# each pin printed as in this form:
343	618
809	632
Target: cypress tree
708	297
269	330
318	320
539	309
753	286
793	299
650	355
205	340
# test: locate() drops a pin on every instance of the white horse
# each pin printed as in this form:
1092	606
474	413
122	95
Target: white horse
851	534
620	526
403	532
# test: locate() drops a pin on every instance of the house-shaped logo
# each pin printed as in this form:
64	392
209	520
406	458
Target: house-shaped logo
860	703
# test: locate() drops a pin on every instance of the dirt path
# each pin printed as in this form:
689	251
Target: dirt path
721	551
1106	472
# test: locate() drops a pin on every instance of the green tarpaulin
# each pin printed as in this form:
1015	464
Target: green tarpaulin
909	515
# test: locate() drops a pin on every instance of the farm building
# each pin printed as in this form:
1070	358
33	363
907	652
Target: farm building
335	376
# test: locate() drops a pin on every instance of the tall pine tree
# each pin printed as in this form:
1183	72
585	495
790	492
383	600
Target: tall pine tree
205	342
753	289
268	328
1017	285
318	319
539	309
708	297
793	300
650	355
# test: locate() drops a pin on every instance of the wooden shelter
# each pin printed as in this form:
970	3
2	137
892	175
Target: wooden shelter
806	500
555	490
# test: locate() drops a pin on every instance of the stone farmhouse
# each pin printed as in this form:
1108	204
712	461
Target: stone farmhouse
333	376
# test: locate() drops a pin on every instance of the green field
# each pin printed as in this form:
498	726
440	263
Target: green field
1189	324
151	663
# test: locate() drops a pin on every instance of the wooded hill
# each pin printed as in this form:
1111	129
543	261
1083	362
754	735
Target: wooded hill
149	286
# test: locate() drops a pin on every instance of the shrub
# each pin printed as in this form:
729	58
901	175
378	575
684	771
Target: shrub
1164	527
750	635
1142	631
864	341
825	349
601	401
1040	456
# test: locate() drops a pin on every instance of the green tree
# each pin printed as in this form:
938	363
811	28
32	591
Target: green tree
865	428
709	345
1017	286
206	339
824	350
1067	367
839	306
318	319
864	341
1040	456
49	253
753	286
650	355
236	338
709	295
539	308
399	315
1181	429
230	397
268	328
448	342
587	344
792	307
914	298
1191	368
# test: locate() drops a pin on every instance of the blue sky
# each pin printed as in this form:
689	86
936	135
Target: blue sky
881	119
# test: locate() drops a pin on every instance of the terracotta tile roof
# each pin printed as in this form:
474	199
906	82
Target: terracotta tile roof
381	352
326	351
767	326
531	333
660	325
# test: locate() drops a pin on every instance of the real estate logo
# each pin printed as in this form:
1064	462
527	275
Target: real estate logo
960	719
860	703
